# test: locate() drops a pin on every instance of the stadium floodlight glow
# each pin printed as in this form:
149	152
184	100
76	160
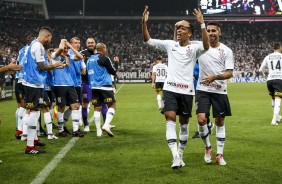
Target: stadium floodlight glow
187	12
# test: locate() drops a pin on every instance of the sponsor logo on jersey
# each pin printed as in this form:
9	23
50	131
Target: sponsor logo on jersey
59	99
177	85
40	100
91	71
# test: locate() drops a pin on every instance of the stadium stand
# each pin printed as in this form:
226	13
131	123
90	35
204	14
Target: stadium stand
249	41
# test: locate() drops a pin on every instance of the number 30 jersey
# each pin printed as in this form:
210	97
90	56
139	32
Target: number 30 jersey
274	64
161	72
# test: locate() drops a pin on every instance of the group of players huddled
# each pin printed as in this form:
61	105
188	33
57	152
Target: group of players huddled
61	77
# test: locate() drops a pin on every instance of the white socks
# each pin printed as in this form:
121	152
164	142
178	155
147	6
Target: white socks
20	114
75	115
48	123
60	121
31	130
204	133
276	109
97	119
109	116
25	121
220	138
159	100
183	137
171	137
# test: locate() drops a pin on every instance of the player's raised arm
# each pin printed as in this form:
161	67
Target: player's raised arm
78	55
201	21
145	17
61	47
11	66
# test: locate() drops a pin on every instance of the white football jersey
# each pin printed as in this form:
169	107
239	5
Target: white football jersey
181	62
274	64
161	72
215	62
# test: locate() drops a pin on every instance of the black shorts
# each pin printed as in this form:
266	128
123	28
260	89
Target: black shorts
275	87
159	86
65	95
79	94
19	92
51	95
180	103
34	97
219	102
100	97
47	102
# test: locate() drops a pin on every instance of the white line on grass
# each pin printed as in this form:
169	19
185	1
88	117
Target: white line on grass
40	178
119	88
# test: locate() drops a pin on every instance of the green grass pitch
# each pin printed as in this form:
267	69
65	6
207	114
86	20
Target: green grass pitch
139	153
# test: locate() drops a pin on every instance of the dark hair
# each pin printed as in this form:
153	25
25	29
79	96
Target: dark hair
192	27
46	28
276	46
159	58
213	24
51	49
30	37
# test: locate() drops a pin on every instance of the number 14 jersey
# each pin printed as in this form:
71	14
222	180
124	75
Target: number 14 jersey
274	64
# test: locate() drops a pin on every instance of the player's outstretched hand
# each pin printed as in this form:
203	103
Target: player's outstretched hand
145	16
198	14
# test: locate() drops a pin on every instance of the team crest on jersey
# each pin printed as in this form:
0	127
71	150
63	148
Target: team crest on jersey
91	71
40	100
59	99
189	52
222	56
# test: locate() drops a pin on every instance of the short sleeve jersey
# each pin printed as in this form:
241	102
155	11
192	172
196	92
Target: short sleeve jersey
215	62
274	64
181	61
161	72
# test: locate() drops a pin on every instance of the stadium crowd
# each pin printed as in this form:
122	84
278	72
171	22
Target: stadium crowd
249	41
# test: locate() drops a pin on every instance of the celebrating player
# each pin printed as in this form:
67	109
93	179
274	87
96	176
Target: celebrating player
178	89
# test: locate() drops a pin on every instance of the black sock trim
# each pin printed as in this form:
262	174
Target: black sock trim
205	136
220	139
171	141
182	142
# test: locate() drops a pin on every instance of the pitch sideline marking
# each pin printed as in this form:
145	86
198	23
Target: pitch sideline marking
119	88
40	178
